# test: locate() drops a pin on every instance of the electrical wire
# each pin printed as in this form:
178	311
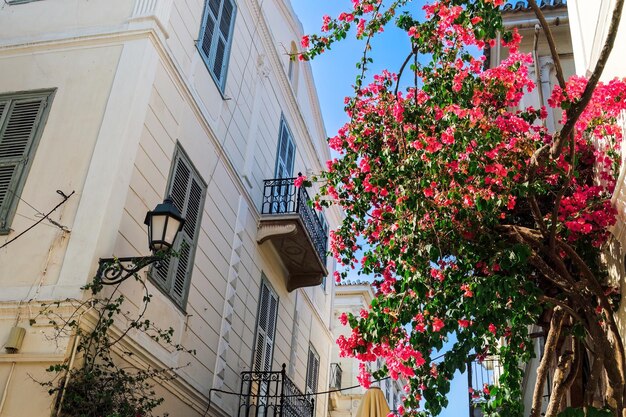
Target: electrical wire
45	216
37	212
212	390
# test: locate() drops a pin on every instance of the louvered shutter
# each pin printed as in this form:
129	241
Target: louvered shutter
211	13
266	329
19	127
313	371
285	153
215	37
188	238
187	191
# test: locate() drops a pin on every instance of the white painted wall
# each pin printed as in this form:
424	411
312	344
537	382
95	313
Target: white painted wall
352	298
130	85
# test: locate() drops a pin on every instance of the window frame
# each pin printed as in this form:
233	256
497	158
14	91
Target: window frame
283	126
209	60
167	287
265	282
310	391
47	96
293	67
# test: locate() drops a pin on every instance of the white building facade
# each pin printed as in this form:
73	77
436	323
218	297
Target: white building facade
126	102
352	297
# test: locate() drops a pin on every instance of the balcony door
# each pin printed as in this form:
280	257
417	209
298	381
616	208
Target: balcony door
284	192
285	153
265	406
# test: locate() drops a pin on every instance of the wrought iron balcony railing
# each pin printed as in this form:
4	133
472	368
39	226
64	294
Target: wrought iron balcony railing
272	394
481	374
281	196
335	376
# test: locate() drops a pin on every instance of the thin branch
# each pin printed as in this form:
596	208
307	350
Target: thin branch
146	300
536	211
400	71
546	30
561	194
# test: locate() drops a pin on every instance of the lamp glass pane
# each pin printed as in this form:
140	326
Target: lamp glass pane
157	229
172	228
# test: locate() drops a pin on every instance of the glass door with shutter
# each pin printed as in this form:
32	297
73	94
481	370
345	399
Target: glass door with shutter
312	373
285	155
264	347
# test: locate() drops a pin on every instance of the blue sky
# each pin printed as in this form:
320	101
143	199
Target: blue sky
334	73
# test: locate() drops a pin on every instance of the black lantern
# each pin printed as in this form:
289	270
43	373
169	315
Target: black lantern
164	223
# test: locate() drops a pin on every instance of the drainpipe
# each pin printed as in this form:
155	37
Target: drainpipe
66	380
6	387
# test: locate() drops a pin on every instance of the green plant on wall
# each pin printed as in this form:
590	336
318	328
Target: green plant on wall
99	379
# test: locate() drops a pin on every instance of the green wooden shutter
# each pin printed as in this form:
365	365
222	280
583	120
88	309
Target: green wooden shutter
216	37
177	190
188	239
285	154
266	329
211	13
187	191
20	119
312	371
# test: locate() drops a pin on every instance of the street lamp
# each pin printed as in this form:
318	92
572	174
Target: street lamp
164	223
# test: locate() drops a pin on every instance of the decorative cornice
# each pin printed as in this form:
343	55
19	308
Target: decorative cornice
157	10
266	231
31	358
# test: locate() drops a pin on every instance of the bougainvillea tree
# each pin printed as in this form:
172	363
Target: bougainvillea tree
476	221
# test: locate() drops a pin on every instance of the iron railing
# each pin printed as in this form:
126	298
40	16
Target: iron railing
335	376
281	196
272	394
481	374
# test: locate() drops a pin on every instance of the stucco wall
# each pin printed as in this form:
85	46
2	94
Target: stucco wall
130	87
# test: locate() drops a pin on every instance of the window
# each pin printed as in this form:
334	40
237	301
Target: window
216	37
312	372
285	154
187	190
266	328
292	69
22	117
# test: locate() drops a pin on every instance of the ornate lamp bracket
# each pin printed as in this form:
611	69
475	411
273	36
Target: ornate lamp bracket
112	271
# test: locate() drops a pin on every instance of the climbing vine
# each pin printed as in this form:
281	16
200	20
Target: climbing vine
98	379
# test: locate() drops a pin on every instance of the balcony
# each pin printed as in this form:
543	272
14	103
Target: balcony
295	231
481	375
272	394
335	376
